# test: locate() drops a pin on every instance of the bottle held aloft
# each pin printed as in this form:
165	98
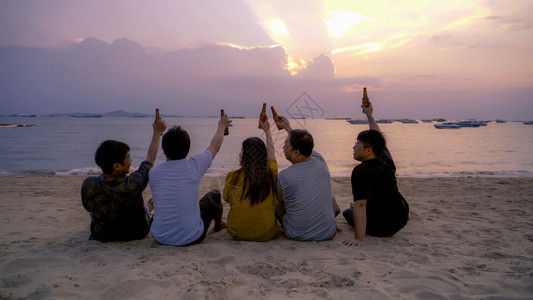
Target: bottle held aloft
157	116
226	130
276	117
262	116
365	98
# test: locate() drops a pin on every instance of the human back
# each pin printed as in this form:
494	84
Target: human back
306	190
114	198
251	190
305	202
175	186
179	218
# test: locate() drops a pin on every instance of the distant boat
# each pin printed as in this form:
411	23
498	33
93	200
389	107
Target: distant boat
448	125
86	116
426	121
469	124
338	118
17	125
500	121
385	121
357	121
528	122
21	116
409	121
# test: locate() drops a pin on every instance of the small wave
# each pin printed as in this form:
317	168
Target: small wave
479	174
80	171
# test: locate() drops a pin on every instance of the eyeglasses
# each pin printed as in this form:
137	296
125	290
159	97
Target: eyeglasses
359	144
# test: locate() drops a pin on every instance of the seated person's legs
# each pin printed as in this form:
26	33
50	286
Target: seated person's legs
210	208
348	215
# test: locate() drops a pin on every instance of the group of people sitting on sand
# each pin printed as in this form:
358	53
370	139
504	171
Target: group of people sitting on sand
297	202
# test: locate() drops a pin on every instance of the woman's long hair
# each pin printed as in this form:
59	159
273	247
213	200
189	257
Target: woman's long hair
258	179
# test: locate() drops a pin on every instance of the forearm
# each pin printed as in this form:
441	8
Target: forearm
154	147
216	142
372	124
359	216
270	146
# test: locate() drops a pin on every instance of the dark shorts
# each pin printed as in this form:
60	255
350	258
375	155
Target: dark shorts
210	207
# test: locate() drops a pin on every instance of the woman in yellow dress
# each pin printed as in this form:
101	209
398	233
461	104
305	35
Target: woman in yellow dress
251	191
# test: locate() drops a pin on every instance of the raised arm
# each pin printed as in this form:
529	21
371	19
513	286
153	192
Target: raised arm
269	142
284	123
371	122
217	140
159	126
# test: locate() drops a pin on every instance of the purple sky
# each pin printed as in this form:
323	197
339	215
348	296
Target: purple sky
419	59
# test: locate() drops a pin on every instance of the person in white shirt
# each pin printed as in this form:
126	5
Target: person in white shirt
179	218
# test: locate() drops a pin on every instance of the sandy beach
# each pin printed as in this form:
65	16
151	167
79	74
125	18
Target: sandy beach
468	238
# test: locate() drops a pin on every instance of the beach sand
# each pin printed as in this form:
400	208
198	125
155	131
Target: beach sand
468	238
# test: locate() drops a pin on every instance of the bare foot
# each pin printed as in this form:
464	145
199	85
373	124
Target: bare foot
219	226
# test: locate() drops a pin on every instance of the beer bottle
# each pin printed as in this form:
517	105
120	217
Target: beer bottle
262	116
365	98
226	130
276	117
157	116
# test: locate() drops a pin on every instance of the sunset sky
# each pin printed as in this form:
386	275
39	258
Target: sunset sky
455	59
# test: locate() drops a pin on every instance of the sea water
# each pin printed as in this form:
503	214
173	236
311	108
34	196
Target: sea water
66	145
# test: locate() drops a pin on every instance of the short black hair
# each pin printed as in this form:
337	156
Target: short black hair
302	141
373	139
176	143
110	152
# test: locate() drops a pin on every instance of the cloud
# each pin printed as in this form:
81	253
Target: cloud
98	77
319	66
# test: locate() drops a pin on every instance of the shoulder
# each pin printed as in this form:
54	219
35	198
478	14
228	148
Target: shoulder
206	155
230	175
90	181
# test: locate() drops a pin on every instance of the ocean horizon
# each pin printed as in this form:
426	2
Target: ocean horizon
65	146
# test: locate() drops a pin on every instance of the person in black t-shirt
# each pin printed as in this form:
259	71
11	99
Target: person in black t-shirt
378	209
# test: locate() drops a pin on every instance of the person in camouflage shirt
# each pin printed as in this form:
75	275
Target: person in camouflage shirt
114	199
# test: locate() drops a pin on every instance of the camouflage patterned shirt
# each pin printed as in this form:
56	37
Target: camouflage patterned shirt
117	206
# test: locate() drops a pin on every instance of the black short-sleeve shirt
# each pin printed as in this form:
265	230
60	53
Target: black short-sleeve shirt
386	210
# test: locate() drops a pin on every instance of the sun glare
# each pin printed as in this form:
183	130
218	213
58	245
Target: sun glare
343	21
277	28
294	66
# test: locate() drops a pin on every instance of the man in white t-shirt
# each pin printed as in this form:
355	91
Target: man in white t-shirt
179	218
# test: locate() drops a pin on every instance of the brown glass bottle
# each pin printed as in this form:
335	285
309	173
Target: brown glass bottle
157	116
262	116
365	98
276	118
226	130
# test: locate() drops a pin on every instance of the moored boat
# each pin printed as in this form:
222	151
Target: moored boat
448	125
357	121
17	125
468	124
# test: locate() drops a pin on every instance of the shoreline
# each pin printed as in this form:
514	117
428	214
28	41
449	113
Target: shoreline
467	238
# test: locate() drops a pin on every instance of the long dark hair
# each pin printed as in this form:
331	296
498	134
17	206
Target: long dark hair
258	179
